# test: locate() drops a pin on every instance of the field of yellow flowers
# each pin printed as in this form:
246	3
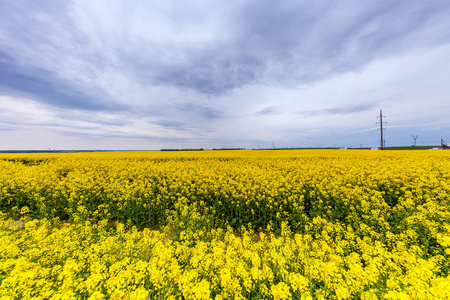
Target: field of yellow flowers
291	224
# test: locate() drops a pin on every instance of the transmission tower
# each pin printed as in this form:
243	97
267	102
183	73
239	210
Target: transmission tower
381	128
415	138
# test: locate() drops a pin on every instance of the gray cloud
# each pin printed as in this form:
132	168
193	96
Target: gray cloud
171	124
199	111
119	135
294	42
312	41
48	89
270	110
211	74
335	111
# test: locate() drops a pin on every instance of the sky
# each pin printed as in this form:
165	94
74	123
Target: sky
150	75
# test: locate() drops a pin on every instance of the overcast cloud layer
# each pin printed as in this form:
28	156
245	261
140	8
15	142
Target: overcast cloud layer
174	74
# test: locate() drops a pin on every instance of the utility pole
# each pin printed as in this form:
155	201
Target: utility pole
381	129
415	138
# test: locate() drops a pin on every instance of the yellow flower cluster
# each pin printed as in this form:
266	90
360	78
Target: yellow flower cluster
322	224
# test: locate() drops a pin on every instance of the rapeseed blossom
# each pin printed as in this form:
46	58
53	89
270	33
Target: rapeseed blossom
323	224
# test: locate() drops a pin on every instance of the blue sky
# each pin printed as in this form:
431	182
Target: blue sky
188	74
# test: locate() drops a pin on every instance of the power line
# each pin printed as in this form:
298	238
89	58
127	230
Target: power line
381	128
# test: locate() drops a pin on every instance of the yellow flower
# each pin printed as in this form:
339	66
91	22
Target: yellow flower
280	291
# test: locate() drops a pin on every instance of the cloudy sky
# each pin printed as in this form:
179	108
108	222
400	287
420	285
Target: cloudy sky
190	74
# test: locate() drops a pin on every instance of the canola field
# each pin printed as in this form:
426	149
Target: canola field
291	224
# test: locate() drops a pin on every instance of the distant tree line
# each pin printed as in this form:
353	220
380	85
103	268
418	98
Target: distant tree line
228	149
199	149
